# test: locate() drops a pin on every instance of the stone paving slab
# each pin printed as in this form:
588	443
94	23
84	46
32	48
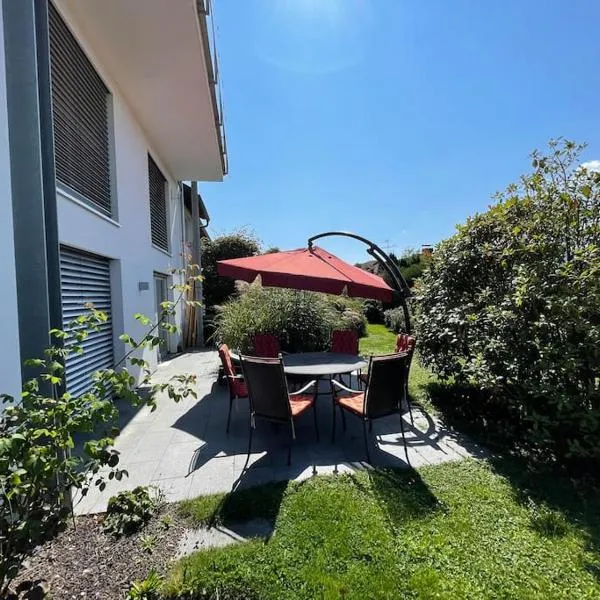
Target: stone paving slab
183	448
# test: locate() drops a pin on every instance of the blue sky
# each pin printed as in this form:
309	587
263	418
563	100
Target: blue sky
395	119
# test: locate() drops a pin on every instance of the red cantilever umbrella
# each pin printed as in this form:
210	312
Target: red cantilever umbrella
313	269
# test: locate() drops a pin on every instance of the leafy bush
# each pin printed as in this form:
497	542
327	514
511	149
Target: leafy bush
302	321
129	511
511	304
38	470
373	311
239	244
412	265
393	319
350	313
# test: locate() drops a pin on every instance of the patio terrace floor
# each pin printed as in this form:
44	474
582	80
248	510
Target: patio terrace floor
183	448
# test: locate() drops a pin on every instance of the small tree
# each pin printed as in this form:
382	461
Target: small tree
38	469
239	244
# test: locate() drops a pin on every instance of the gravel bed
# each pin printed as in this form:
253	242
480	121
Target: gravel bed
84	562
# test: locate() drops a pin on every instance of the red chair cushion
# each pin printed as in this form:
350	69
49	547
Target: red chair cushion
344	341
238	387
404	342
300	403
354	402
266	345
226	360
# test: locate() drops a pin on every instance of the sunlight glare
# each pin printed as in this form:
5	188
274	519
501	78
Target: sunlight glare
312	36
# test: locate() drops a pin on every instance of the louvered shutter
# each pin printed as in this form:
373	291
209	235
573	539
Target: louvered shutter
80	104
85	278
158	205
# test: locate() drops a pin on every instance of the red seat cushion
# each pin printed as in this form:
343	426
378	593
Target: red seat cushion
354	402
226	360
300	403
404	342
238	387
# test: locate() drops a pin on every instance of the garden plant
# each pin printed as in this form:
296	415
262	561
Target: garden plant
509	312
302	321
39	467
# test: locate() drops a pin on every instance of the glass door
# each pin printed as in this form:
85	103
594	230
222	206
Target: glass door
161	295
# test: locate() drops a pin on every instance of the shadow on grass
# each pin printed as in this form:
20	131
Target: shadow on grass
402	494
555	500
260	502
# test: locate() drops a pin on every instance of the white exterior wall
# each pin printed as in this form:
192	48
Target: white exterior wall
127	239
10	360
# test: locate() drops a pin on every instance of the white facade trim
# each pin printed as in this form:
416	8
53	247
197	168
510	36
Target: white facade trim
65	193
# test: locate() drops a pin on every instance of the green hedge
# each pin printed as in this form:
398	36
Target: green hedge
302	321
511	306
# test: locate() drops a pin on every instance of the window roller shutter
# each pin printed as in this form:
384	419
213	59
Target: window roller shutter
85	278
80	105
158	205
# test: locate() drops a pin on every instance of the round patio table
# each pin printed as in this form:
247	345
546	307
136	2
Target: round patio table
322	364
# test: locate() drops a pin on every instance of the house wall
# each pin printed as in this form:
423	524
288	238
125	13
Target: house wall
127	239
10	360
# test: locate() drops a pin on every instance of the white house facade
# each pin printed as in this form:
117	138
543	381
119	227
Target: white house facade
123	99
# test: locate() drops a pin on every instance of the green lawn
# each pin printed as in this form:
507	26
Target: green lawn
458	530
380	340
468	530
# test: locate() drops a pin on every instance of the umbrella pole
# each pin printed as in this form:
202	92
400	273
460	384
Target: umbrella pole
384	260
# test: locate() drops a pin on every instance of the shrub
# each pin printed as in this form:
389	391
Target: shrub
511	304
352	319
350	313
393	319
412	265
129	511
302	321
373	311
239	244
38	469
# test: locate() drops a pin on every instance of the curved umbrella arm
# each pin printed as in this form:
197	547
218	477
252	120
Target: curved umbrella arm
390	267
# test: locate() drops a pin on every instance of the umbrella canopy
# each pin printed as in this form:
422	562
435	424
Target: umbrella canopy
314	270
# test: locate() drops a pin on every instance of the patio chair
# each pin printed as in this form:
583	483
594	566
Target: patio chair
344	341
383	396
266	345
235	381
270	398
405	344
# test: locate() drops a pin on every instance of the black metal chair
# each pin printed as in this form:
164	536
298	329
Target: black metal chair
270	398
384	395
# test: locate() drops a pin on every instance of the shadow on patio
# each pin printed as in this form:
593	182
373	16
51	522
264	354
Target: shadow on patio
183	448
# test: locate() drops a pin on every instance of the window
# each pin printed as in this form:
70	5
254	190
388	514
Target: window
158	205
80	105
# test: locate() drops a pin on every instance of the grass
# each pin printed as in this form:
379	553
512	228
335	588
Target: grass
380	340
458	530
